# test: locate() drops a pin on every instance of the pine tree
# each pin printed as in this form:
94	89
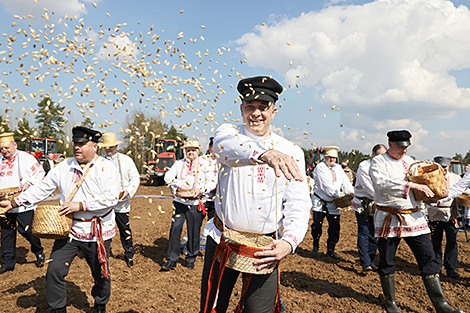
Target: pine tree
50	119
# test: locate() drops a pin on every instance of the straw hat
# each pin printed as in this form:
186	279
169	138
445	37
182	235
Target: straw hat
331	151
109	140
191	144
6	138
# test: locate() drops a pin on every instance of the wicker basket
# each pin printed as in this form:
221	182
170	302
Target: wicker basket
9	193
429	174
245	240
344	201
186	193
463	200
48	224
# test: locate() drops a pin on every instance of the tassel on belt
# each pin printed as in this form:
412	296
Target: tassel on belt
97	231
388	219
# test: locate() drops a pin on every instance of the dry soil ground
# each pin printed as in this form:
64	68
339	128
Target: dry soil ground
307	285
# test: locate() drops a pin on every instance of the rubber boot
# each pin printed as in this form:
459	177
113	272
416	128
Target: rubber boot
316	247
434	289
388	288
331	251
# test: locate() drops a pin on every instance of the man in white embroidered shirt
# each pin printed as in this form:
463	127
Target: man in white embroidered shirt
18	171
129	180
93	217
398	215
261	188
331	182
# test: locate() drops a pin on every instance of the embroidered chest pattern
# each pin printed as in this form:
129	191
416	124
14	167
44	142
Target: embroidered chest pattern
261	174
7	167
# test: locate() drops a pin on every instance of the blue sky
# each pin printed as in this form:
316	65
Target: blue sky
352	69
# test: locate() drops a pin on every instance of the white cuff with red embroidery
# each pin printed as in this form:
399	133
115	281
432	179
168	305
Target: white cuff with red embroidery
292	240
407	190
85	206
256	153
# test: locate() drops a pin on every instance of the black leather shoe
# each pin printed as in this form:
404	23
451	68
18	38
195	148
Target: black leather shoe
314	251
99	308
367	268
4	270
129	262
453	274
62	310
333	255
168	266
374	268
190	266
40	260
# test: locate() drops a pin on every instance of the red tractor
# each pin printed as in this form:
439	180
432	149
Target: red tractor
167	151
41	147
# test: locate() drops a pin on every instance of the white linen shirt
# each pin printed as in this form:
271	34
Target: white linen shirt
442	212
129	179
329	182
185	172
20	164
98	194
363	186
249	196
392	189
458	188
212	171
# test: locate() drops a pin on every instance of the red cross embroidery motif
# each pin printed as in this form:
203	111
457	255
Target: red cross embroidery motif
7	167
76	175
261	174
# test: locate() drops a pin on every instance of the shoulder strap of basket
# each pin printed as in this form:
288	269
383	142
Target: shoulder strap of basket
72	194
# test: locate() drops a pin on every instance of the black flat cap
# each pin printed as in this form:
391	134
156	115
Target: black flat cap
259	88
400	137
84	134
442	160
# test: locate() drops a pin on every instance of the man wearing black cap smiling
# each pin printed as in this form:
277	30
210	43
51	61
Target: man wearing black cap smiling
398	216
93	217
443	218
261	188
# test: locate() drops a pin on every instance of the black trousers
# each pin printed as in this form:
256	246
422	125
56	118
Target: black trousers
63	253
193	218
124	226
421	246
10	224
451	251
210	209
333	227
260	297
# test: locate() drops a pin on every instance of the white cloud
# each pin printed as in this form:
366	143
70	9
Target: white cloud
375	55
56	8
118	48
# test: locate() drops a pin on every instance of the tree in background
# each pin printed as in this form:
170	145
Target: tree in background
174	134
22	132
352	158
50	119
50	123
4	127
87	122
459	157
139	136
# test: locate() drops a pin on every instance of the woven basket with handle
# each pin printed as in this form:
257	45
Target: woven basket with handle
344	201
242	260
48	224
9	193
429	174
